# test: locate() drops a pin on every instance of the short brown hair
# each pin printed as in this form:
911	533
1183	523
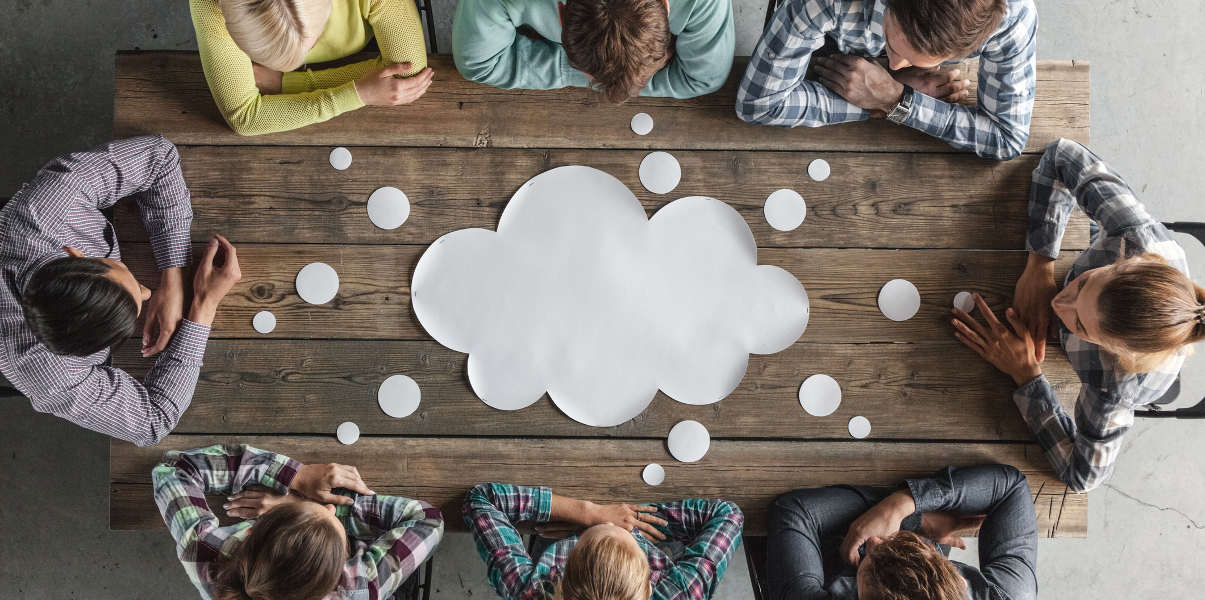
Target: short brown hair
603	568
947	28
616	42
905	567
1152	309
290	553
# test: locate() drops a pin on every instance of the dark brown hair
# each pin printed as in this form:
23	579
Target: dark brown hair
1151	309
604	568
73	307
905	567
616	42
947	28
290	553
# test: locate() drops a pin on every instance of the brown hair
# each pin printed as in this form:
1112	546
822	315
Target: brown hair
290	553
1151	310
604	568
905	567
273	32
616	42
946	28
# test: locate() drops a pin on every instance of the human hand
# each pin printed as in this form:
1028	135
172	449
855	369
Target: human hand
268	81
1011	351
944	527
387	87
627	516
1035	289
947	86
255	501
882	520
316	482
862	82
217	272
163	312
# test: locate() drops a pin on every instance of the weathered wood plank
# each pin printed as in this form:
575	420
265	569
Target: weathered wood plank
374	294
275	194
165	92
752	473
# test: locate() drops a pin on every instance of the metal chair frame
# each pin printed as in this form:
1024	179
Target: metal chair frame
425	7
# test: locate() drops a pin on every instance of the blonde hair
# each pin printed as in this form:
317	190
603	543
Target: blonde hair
1149	310
604	568
274	33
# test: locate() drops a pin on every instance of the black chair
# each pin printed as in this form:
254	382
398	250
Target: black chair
425	7
7	390
755	559
771	6
417	587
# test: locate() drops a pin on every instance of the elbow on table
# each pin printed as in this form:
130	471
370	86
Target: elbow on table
480	496
1081	484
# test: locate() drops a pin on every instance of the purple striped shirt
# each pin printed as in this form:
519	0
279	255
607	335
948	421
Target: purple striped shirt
62	207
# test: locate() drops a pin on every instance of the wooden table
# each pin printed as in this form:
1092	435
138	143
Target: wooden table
898	204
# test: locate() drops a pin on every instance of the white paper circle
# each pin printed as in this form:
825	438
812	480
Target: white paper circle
859	427
785	210
340	158
399	396
654	474
820	395
317	283
899	300
642	123
660	172
348	433
964	301
689	441
818	169
388	208
264	321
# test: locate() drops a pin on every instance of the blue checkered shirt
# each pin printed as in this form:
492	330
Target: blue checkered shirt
774	91
1082	451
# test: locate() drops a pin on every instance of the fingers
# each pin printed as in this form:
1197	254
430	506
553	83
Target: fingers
230	266
148	327
349	477
961	328
971	324
211	251
650	530
957	542
987	313
850	545
1018	326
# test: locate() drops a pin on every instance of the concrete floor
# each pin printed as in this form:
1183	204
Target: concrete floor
1145	530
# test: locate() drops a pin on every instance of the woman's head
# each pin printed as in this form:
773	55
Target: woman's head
1140	309
606	564
77	306
295	551
276	33
905	567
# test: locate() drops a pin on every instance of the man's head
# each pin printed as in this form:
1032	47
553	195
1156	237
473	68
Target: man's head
620	44
926	33
905	567
606	564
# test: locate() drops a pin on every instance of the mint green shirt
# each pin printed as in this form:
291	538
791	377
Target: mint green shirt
489	49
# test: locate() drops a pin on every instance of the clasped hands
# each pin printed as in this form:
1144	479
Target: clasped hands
312	483
216	273
624	516
869	85
884	519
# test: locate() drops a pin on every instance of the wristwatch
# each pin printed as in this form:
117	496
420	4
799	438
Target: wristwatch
903	108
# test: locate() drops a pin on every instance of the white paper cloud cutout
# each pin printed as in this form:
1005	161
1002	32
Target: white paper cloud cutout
580	295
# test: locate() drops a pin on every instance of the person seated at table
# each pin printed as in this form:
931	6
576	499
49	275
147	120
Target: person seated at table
883	58
301	539
607	551
66	299
1126	316
875	543
622	48
250	50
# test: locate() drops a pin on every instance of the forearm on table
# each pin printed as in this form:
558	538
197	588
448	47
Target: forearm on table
969	128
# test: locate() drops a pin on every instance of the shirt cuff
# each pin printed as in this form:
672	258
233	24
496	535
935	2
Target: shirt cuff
571	76
188	342
296	82
280	476
346	98
542	497
172	249
928	494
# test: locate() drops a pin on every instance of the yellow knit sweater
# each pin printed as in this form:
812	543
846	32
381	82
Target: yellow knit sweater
306	96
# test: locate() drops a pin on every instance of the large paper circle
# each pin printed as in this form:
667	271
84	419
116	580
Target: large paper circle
964	301
399	396
820	395
689	441
660	172
785	210
859	427
340	158
642	124
388	208
899	300
317	283
654	474
348	433
264	321
818	169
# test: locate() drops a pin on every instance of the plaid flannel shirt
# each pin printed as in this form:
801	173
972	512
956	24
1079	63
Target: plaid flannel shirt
709	529
62	207
390	536
774	91
1083	451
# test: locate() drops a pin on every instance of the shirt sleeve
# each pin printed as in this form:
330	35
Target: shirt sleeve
490	511
231	80
396	536
488	49
711	531
774	91
702	53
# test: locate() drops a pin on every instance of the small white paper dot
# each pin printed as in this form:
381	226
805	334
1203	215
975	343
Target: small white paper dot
388	208
785	210
340	158
660	172
689	441
899	300
964	301
399	396
818	169
859	427
317	283
348	433
820	395
264	321
642	123
654	474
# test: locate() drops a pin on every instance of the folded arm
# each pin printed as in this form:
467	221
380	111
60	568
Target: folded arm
703	53
399	533
711	532
488	49
490	512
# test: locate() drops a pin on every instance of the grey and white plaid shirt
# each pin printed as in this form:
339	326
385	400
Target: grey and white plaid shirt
1082	451
61	207
774	91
